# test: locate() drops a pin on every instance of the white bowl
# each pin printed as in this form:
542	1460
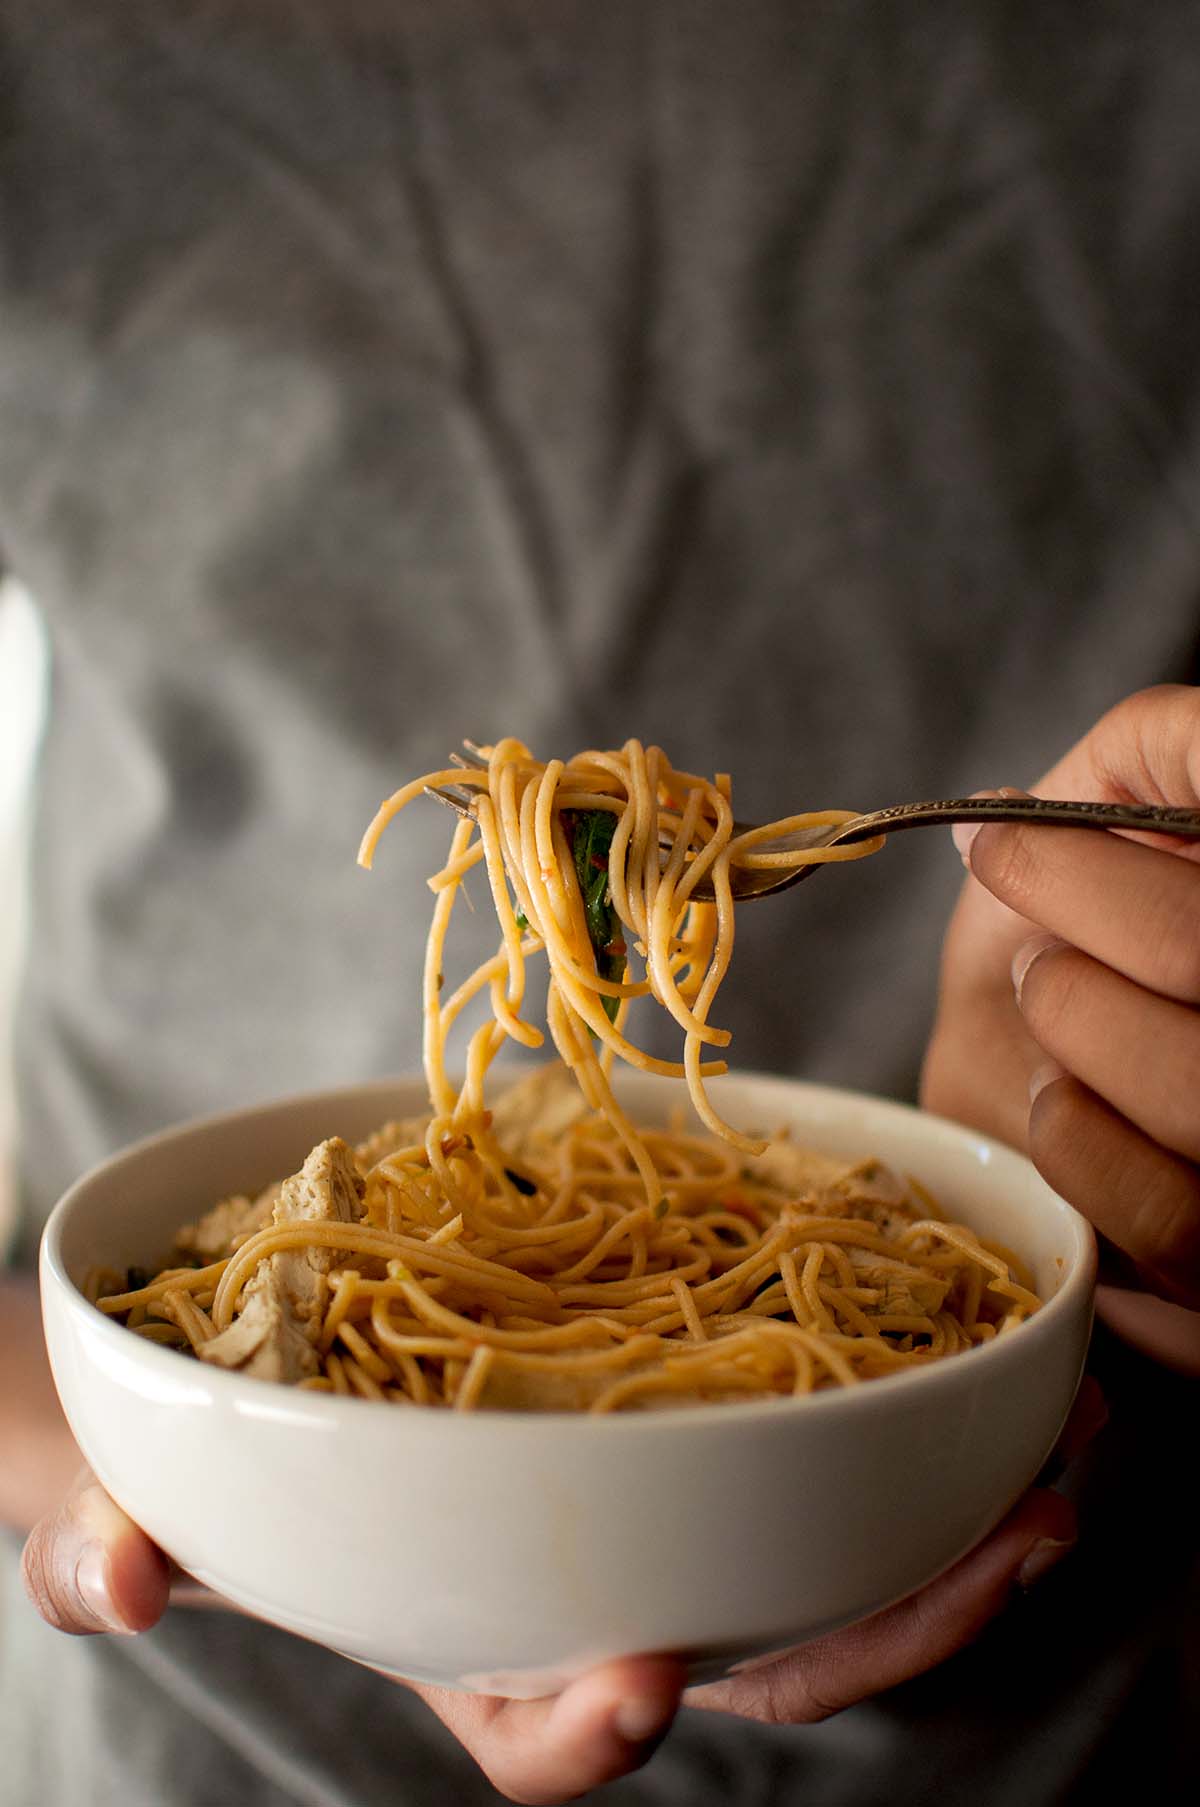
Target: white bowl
504	1552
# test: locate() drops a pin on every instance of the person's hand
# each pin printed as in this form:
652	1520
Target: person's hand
89	1569
1068	1021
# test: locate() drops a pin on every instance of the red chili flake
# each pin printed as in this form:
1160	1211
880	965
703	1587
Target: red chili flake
740	1206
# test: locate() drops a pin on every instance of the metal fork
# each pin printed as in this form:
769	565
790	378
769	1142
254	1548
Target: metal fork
749	882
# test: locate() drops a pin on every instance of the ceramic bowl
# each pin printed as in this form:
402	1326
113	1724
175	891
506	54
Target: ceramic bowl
506	1553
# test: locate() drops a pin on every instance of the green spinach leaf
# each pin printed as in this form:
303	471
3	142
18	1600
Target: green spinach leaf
591	832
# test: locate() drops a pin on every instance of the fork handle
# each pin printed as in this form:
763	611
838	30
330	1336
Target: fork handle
1148	818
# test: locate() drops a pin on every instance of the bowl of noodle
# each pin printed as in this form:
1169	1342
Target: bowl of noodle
783	1394
484	1383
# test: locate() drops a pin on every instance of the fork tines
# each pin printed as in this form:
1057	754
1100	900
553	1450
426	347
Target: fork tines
455	797
472	760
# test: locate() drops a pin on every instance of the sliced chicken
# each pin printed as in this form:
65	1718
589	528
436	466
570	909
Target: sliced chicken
402	1132
868	1190
880	1196
514	1387
904	1291
537	1111
275	1333
799	1172
213	1237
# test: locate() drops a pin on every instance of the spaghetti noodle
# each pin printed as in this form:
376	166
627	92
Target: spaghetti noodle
550	1254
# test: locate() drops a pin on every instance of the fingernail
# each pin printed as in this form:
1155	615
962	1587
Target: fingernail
1045	1554
964	834
639	1718
93	1585
1043	1076
1027	953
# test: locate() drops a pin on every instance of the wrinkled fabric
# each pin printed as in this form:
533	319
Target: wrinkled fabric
812	389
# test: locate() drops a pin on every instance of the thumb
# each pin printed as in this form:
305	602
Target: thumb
1144	750
1023	880
88	1568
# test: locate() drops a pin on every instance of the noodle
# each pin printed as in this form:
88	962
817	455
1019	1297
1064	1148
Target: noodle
552	1255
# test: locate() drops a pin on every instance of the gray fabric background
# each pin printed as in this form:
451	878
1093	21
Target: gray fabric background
811	388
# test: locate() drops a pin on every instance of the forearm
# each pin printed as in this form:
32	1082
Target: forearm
38	1455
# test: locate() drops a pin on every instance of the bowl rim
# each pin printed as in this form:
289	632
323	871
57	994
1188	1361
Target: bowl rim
1074	1293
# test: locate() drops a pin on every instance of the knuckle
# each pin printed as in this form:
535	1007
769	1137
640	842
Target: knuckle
1145	745
1173	953
798	1690
1165	713
1133	727
785	1698
817	1700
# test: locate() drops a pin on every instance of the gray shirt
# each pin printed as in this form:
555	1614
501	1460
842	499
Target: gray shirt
812	389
